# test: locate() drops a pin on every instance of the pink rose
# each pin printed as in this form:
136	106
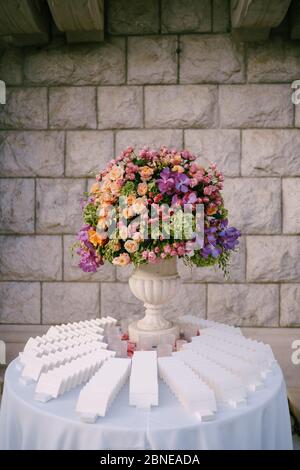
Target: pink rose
181	250
151	257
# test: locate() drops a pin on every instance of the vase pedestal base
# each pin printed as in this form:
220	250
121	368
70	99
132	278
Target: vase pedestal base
135	332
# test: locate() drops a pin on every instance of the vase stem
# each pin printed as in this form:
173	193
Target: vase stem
153	319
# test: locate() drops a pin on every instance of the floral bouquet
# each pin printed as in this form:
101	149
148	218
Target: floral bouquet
153	205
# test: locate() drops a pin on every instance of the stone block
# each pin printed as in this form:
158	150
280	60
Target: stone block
185	16
171	138
72	108
134	17
92	64
11	66
25	108
120	107
291	205
30	258
211	58
152	59
270	152
216	145
123	273
254	204
58	205
20	302
87	152
273	259
64	302
255	106
17	205
276	60
180	106
244	304
36	153
290	305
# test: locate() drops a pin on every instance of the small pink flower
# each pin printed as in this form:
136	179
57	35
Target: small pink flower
193	168
167	249
151	257
193	182
208	190
173	253
156	249
163	255
145	254
181	250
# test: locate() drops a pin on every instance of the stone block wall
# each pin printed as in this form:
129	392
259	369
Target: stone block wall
168	73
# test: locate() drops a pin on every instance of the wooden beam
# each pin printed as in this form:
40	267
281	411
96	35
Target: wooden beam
252	20
23	22
81	20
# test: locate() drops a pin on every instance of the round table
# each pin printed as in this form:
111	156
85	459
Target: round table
27	424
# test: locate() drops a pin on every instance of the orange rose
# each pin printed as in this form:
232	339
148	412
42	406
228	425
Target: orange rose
177	159
131	200
142	189
95	238
178	168
116	172
211	210
122	260
146	172
131	246
95	188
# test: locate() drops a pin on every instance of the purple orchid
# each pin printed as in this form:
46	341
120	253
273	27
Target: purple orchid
189	198
89	260
228	236
182	182
166	183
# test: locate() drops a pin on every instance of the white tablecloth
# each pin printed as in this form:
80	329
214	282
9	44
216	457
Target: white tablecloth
26	424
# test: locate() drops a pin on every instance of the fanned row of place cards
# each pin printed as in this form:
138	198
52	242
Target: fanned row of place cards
98	394
217	368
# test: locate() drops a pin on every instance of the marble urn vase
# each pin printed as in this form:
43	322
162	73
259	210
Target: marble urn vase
155	285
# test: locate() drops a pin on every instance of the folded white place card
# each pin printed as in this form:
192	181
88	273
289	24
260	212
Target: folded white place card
192	392
248	373
143	386
98	394
34	366
243	342
228	387
201	323
61	379
257	358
